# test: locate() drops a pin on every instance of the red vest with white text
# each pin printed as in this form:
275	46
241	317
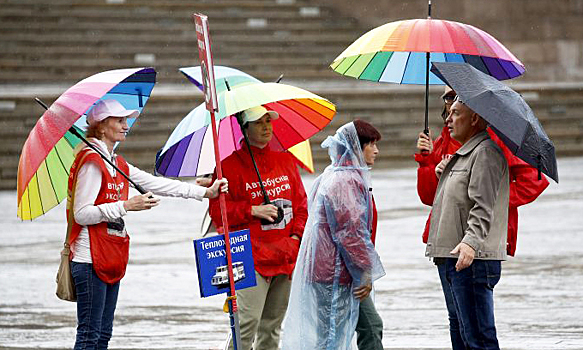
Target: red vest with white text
109	249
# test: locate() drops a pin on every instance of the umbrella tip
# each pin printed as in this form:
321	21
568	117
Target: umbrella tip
40	102
279	79
428	9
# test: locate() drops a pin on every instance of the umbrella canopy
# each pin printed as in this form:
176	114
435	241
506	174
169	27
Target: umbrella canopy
506	112
395	52
233	77
302	114
47	154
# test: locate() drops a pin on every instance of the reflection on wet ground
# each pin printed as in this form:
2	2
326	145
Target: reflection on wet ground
539	300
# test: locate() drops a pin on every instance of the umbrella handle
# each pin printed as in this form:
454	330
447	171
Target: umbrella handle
74	131
427	56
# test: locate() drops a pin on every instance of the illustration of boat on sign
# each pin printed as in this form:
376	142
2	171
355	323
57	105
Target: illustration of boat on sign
221	277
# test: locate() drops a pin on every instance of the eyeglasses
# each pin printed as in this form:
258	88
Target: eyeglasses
448	99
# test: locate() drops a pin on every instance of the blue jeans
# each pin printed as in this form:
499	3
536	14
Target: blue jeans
457	342
96	301
472	291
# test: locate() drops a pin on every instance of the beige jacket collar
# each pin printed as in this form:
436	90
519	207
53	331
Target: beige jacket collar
469	146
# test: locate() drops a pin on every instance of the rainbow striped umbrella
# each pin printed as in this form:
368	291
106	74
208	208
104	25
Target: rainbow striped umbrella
401	52
47	154
395	52
302	114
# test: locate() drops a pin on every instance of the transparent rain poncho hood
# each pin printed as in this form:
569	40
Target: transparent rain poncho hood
336	254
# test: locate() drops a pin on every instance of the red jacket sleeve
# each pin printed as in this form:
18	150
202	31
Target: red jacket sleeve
238	206
426	178
349	228
300	202
525	186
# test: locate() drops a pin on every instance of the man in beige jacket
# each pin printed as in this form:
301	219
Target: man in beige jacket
467	234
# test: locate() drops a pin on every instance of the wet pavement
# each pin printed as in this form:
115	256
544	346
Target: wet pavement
538	302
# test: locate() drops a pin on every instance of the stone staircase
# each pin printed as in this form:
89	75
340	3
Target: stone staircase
69	40
47	46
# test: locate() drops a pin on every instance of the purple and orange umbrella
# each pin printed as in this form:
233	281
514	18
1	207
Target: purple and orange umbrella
188	152
178	159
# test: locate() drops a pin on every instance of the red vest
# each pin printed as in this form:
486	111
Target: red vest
109	251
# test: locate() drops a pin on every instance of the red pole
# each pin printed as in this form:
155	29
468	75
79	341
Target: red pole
207	70
223	205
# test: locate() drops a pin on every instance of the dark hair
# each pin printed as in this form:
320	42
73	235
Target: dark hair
366	132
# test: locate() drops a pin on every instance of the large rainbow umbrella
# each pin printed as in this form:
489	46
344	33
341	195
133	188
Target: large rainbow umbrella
302	114
395	52
401	52
47	154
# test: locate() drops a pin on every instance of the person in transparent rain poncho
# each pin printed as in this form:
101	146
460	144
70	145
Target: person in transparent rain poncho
337	258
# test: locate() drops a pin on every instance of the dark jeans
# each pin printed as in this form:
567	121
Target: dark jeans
369	329
454	327
472	292
96	301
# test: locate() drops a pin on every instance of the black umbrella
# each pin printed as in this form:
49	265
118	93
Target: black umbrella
506	112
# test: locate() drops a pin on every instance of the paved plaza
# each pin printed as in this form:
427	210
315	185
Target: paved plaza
539	300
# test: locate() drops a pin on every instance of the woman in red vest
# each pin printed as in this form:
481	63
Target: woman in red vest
96	203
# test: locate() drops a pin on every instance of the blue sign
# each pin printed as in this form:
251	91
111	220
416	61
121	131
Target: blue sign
211	263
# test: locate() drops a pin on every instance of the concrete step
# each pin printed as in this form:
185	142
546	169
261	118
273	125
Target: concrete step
114	3
59	6
74	63
165	75
111	14
185	37
64	50
240	27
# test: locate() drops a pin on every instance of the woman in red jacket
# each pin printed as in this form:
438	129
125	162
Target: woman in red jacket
524	188
275	244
